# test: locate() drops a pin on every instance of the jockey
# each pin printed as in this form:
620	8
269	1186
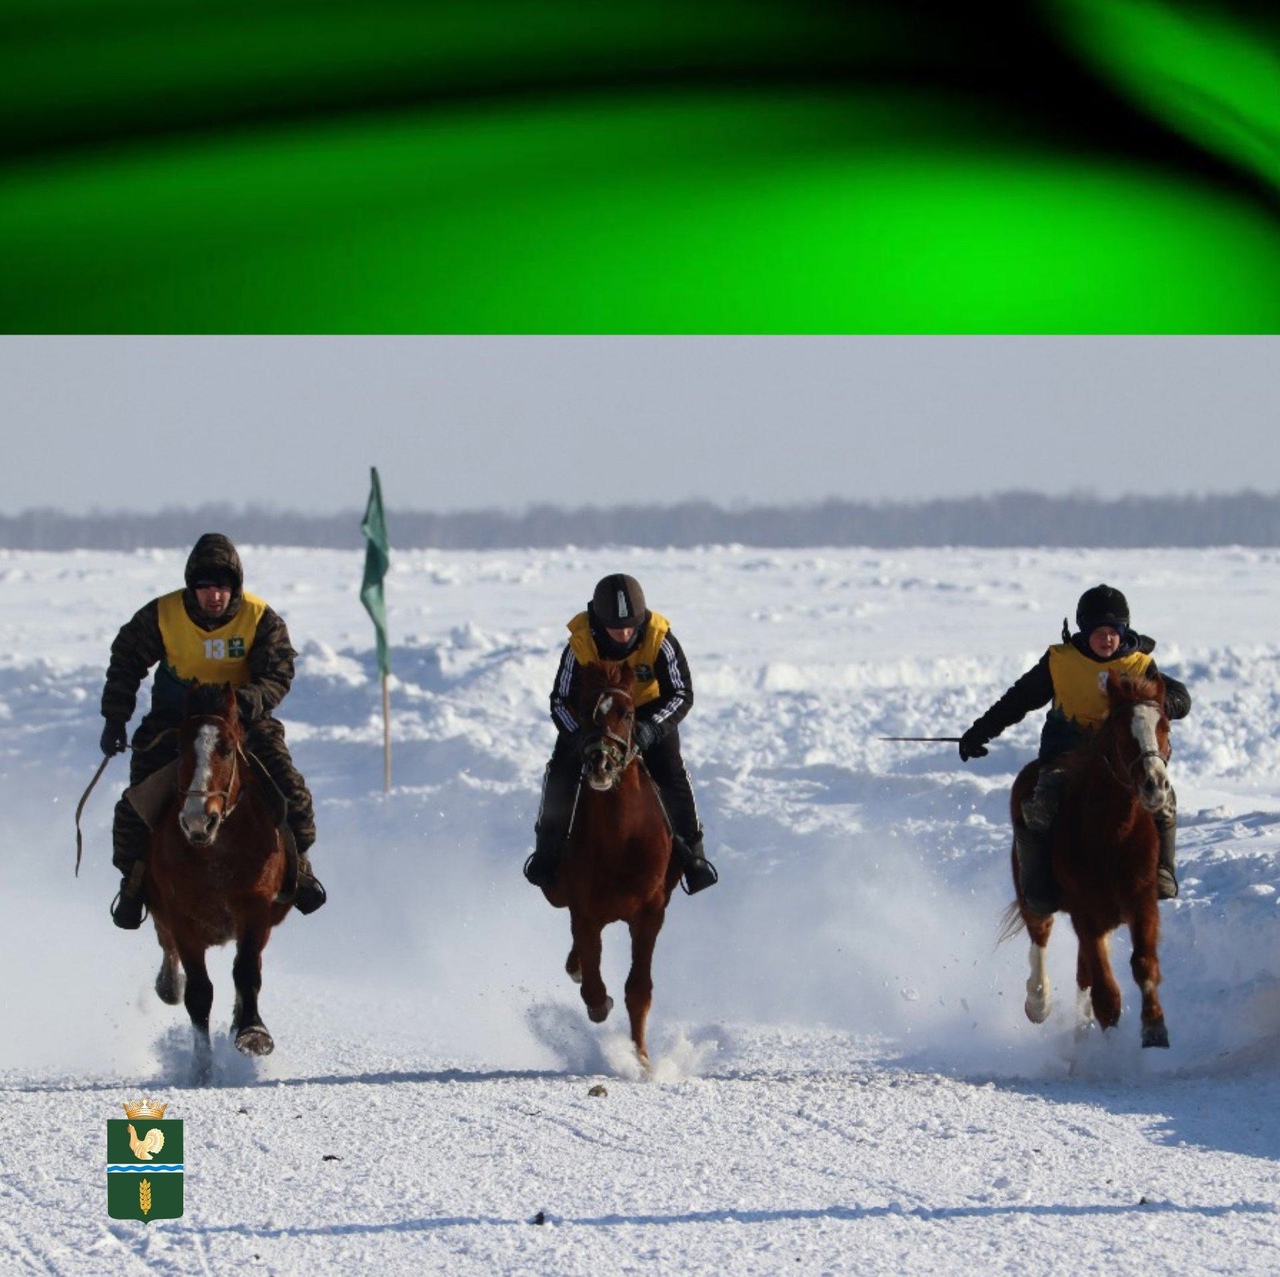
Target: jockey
617	627
214	632
1073	675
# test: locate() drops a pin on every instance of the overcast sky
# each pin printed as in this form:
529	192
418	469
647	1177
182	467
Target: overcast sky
137	423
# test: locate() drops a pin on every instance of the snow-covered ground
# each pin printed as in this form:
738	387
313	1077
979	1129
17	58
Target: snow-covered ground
844	1080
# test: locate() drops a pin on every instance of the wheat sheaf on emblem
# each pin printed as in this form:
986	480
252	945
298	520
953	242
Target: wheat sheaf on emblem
144	1196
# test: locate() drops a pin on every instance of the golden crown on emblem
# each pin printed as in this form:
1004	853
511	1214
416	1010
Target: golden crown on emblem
147	1110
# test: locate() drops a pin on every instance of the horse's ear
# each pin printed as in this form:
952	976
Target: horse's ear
230	704
626	677
1157	681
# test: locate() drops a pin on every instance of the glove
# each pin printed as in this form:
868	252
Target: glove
249	701
646	734
115	738
973	744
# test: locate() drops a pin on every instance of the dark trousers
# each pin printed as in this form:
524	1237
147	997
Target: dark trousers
152	750
665	764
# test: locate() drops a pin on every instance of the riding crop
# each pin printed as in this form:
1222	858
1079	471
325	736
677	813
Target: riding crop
102	766
952	740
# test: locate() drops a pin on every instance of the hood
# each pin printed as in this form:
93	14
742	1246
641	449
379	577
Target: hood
214	553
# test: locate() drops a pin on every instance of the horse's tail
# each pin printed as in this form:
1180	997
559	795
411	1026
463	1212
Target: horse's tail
1011	922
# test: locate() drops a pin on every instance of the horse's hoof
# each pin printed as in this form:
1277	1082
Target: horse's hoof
254	1041
169	991
1155	1035
601	1013
1037	1010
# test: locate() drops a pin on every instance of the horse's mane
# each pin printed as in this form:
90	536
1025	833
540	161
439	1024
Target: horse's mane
1125	689
209	700
601	674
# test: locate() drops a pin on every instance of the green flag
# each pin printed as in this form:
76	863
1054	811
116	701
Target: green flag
377	557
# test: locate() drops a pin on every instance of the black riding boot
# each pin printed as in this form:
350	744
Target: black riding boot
699	872
559	790
1166	878
1035	869
310	894
129	838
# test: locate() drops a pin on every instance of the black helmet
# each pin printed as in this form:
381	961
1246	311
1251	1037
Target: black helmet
618	602
1102	605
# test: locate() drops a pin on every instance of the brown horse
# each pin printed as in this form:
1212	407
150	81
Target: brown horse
1104	853
215	872
618	866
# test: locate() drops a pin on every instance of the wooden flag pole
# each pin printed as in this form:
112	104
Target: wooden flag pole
386	737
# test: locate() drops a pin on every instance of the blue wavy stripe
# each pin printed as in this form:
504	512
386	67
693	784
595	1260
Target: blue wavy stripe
159	1168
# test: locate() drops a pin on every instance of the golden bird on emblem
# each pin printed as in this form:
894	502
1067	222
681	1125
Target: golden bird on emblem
150	1143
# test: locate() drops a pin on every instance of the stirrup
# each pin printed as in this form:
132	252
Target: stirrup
310	894
541	875
697	872
698	876
121	911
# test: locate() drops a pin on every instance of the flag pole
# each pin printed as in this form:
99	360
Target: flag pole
377	558
386	737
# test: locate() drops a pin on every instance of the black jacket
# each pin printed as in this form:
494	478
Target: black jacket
139	645
675	688
1034	690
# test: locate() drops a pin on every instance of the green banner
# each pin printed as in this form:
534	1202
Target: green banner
144	1169
376	561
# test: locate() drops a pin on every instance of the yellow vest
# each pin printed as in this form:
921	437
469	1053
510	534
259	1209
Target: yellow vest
1080	684
642	659
212	656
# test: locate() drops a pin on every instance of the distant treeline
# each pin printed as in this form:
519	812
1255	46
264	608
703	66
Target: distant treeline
1007	519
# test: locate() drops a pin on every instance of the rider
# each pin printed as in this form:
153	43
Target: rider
1073	675
618	627
215	632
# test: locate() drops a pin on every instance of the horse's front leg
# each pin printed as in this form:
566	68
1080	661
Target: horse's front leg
1039	994
1145	965
1084	982
587	945
169	977
644	935
198	1000
1104	991
250	1033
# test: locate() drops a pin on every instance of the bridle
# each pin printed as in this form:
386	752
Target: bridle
619	750
229	804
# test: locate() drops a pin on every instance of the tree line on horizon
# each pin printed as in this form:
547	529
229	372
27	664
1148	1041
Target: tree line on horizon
1005	519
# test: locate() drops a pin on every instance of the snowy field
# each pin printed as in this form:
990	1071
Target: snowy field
844	1080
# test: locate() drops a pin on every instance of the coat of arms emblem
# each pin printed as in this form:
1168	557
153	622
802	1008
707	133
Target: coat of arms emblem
144	1164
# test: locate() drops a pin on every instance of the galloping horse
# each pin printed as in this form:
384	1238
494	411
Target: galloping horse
216	870
618	866
1105	848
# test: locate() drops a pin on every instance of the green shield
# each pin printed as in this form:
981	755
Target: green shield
144	1171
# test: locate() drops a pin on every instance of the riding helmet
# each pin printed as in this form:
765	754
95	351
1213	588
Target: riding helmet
618	602
1102	605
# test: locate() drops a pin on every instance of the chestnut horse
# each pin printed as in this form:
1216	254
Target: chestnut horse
215	873
618	866
1105	849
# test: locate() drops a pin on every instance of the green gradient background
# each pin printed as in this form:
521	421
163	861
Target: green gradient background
693	167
